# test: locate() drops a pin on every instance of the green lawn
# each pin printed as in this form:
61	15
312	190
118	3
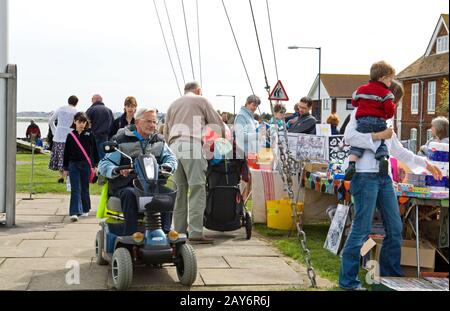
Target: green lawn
44	179
325	263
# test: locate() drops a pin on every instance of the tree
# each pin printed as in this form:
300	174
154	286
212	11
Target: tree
443	95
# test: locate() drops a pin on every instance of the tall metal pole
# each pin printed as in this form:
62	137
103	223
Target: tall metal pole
3	116
234	106
319	100
294	47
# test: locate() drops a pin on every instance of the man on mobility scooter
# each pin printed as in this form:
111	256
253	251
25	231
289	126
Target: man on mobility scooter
137	165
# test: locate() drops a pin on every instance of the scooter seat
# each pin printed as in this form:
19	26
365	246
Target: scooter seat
114	205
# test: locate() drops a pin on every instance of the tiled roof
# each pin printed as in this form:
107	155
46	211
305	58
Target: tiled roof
436	64
342	85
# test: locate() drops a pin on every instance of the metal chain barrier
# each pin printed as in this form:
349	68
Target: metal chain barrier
289	166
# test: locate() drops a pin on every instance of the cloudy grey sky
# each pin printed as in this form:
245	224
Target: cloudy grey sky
115	47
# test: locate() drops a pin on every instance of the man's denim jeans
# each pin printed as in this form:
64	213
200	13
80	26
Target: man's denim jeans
370	190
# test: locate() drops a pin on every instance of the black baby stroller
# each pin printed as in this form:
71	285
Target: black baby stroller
225	208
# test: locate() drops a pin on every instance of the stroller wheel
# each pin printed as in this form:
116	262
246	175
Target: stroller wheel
122	269
248	225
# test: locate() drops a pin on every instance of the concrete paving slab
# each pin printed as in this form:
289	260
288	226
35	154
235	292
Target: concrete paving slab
40	200
280	276
263	263
229	250
62	211
9	242
23	219
80	243
69	235
74	227
36	235
50	211
70	252
82	220
22	252
62	280
239	242
15	280
39	264
212	262
167	276
32	204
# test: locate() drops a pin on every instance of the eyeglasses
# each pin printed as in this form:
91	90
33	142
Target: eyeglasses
148	121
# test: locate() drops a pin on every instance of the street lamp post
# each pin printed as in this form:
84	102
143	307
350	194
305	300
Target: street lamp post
234	102
294	47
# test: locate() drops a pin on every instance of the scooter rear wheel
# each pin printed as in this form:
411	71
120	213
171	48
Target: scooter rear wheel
99	244
186	265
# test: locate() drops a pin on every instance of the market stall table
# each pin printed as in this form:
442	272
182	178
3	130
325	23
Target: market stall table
414	204
268	185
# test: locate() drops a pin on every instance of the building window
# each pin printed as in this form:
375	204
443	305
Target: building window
442	44
415	98
326	103
431	97
349	105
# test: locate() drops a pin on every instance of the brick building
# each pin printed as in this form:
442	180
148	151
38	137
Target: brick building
422	81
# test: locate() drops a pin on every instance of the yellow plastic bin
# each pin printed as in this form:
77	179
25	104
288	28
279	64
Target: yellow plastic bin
279	214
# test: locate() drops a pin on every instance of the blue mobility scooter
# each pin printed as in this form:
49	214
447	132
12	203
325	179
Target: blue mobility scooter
152	246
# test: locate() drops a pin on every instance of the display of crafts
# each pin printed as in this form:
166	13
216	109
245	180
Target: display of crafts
325	182
424	185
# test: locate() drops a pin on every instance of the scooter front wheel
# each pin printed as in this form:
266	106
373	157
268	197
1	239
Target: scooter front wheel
122	269
186	265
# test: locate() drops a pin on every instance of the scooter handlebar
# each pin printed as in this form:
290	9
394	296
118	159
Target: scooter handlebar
117	169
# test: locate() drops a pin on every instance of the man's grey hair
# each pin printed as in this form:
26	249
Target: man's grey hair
141	111
253	99
191	86
440	124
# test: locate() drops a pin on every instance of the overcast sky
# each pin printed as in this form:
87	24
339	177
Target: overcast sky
115	47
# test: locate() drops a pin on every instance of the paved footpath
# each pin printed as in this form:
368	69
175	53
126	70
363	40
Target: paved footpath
34	255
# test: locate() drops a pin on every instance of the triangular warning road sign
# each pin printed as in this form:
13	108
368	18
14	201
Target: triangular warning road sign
278	92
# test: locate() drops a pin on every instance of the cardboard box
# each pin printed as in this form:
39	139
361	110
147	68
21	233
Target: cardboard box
427	254
426	250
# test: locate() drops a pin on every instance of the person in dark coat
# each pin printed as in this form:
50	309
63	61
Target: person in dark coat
101	118
126	118
306	123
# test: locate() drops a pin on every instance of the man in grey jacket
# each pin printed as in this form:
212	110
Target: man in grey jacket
306	124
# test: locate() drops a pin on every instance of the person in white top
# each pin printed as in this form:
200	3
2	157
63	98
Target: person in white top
64	116
370	190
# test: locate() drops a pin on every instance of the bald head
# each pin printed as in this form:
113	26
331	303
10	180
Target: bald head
96	98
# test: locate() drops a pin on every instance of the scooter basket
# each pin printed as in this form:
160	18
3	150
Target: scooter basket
155	196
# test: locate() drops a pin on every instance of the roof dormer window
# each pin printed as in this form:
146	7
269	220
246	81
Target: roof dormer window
442	44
